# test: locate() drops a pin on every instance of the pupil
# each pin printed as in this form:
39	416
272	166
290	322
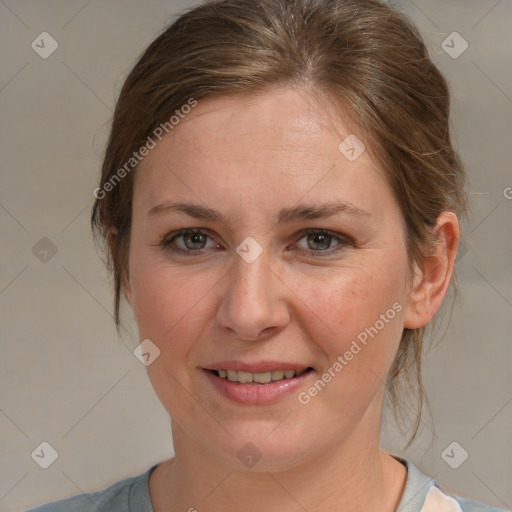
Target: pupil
193	238
322	237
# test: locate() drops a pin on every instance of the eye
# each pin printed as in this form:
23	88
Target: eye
193	240
319	240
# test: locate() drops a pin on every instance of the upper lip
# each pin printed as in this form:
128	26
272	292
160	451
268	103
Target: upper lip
259	367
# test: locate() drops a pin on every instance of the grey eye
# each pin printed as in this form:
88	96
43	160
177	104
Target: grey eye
197	240
319	241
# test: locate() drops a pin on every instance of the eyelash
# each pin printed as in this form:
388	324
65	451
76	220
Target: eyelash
342	242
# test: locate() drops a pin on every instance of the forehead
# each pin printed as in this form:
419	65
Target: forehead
273	121
281	143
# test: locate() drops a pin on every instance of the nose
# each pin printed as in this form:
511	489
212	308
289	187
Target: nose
253	305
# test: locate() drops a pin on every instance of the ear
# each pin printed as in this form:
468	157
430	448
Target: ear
432	279
112	242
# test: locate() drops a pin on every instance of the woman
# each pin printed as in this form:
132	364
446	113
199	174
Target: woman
281	202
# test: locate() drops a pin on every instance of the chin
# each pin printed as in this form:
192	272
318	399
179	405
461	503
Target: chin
266	446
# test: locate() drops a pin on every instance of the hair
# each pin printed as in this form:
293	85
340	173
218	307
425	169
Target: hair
367	58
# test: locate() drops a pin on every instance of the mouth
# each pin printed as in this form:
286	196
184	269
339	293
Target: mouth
243	377
267	383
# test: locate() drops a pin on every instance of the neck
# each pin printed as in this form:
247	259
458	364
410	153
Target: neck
353	475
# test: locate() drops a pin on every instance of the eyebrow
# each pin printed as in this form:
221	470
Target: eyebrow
317	211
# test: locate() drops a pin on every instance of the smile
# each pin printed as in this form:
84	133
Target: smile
257	388
260	377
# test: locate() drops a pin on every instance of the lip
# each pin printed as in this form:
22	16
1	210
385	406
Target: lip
255	393
260	367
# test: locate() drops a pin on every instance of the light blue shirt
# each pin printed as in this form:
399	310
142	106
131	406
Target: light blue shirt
421	494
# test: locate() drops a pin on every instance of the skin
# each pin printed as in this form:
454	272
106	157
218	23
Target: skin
248	158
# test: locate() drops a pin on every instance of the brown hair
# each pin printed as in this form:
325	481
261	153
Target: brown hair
365	57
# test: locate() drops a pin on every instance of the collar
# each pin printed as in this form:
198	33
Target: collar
423	494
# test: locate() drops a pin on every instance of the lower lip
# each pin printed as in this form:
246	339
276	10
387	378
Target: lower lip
254	393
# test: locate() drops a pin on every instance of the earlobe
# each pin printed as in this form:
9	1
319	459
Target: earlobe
431	281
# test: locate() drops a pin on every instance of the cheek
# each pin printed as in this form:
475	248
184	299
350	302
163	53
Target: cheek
169	303
348	300
357	324
330	309
169	308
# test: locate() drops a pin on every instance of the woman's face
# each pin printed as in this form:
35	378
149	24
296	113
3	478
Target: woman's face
253	290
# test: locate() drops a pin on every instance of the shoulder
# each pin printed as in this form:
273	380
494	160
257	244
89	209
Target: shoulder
436	501
423	494
475	506
123	496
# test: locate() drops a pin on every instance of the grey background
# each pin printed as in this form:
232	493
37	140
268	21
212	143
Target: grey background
65	376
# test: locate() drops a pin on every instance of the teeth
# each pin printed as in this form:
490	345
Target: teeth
260	378
245	377
277	374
